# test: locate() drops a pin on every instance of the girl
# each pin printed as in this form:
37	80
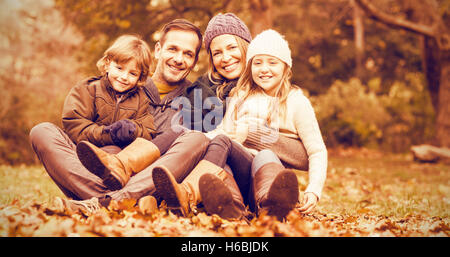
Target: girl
267	111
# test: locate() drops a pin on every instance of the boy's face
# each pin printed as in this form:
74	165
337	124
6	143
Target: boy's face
176	56
123	76
267	72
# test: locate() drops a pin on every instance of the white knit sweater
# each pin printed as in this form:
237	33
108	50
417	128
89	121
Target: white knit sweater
300	122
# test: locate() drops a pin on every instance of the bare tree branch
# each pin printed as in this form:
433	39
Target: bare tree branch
376	14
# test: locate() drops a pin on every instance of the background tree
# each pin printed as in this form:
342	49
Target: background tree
47	46
37	69
433	25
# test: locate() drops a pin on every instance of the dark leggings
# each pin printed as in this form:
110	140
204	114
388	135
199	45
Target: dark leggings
164	140
222	150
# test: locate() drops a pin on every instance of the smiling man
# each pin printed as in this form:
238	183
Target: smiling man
176	53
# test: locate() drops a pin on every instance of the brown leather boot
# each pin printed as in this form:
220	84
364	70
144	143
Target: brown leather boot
275	190
183	198
222	196
116	169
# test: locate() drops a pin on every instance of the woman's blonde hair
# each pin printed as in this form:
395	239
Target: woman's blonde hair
124	49
246	87
215	76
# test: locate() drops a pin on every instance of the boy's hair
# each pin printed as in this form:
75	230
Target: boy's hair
246	87
182	24
215	76
126	48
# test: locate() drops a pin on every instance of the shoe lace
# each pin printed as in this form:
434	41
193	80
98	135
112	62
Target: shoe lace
86	206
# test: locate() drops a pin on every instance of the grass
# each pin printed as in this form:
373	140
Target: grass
26	184
366	194
391	185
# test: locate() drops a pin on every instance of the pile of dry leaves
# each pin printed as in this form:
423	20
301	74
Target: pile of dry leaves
124	219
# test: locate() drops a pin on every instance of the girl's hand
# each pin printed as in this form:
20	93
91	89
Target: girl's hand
308	202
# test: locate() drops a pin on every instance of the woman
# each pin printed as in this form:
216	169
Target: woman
226	40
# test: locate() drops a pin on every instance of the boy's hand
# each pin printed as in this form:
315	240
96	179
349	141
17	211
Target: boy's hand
122	132
308	202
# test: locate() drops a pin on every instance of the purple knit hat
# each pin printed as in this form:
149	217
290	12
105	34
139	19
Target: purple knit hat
227	23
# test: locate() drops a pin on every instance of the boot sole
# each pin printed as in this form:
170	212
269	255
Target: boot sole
283	194
216	197
165	185
92	163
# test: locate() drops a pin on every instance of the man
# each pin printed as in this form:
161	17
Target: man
176	54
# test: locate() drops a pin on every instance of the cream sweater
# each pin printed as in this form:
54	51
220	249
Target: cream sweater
300	122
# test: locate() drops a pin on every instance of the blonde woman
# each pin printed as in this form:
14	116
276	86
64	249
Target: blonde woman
226	39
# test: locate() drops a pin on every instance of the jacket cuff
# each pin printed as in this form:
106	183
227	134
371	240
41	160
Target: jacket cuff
316	190
106	138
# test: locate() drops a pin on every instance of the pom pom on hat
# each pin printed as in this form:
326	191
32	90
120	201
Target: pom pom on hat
271	43
227	23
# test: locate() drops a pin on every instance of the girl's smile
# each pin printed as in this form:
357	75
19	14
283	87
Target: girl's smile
267	72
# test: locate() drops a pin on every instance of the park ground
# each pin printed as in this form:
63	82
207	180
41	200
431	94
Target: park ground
367	193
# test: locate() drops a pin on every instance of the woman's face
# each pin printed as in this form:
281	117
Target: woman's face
267	72
123	76
226	56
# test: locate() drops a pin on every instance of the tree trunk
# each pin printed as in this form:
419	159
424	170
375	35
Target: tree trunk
443	113
261	12
358	27
437	61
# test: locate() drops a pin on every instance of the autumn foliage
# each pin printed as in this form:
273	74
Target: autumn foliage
367	193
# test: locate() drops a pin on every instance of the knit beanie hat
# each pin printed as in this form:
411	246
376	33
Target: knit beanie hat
271	43
227	23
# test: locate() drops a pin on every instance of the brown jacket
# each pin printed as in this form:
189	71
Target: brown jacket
93	104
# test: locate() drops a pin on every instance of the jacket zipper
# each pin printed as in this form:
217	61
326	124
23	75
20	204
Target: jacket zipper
116	109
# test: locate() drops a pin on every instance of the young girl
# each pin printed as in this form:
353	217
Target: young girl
116	112
267	111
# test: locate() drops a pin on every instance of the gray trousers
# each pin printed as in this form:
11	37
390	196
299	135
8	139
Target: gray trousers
57	153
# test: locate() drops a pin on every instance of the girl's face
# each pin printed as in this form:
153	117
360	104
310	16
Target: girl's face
226	56
123	76
267	72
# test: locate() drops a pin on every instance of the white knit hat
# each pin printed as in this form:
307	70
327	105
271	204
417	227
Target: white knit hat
271	43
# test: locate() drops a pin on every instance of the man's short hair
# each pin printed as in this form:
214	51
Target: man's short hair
182	24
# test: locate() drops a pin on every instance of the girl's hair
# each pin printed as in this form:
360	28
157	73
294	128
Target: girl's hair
246	87
124	49
215	76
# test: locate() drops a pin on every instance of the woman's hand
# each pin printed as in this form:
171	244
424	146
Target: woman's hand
308	202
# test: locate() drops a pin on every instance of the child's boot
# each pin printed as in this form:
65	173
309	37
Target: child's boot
116	169
275	190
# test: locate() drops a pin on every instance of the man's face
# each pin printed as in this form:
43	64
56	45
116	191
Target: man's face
176	57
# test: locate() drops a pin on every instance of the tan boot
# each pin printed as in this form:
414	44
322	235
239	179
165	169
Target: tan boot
185	196
116	169
275	190
222	196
